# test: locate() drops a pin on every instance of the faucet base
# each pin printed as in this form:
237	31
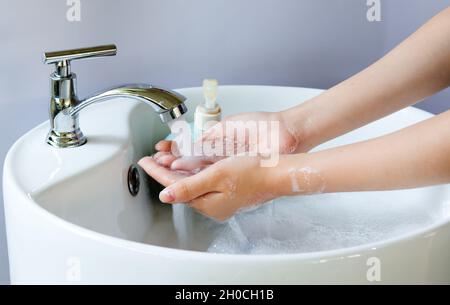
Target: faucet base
66	139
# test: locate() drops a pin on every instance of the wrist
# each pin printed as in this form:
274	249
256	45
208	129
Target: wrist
278	178
300	122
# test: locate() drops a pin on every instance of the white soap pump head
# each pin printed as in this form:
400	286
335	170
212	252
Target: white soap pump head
208	113
210	92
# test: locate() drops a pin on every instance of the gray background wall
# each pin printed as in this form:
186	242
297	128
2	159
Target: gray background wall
176	43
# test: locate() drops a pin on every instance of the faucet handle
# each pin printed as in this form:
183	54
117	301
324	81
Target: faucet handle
62	58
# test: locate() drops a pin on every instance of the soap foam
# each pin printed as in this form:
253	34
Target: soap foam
306	180
317	223
231	187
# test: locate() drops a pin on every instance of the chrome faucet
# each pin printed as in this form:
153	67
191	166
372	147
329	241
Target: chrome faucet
65	105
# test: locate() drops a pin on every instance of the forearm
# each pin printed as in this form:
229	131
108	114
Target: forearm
413	157
417	68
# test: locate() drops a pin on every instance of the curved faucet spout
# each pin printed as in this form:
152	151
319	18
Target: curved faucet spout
168	104
65	131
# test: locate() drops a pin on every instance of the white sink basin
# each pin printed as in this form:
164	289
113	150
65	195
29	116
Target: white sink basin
70	216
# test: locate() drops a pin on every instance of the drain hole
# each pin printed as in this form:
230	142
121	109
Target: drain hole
134	181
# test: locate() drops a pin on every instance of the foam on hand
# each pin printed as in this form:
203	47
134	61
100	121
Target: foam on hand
306	180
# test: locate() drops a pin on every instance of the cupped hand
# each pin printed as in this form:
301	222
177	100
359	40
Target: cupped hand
220	190
278	138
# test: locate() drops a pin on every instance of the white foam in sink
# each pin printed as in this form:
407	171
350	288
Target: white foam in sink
324	222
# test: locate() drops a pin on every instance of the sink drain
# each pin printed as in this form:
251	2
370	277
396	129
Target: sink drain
134	181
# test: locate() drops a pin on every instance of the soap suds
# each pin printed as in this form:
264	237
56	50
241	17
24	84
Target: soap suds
306	180
299	134
241	238
294	181
302	224
322	222
231	184
295	135
289	149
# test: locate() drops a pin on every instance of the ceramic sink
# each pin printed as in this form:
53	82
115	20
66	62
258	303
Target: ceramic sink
71	217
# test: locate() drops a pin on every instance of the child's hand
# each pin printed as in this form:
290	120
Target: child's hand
168	155
288	139
220	190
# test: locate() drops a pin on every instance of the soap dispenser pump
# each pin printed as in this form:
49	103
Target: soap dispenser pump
209	113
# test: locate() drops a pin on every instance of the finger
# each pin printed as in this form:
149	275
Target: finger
166	160
189	188
168	146
160	173
164	145
159	154
192	164
174	149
